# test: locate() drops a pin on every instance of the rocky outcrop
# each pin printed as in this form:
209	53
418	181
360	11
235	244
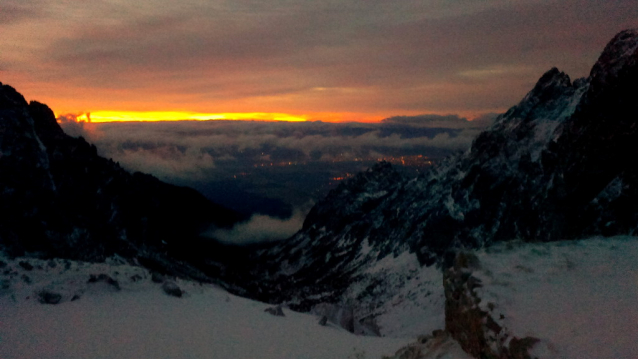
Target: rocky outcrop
49	297
476	330
344	316
171	288
104	278
276	311
437	345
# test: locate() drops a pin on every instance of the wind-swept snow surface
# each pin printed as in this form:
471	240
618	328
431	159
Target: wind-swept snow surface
122	313
580	298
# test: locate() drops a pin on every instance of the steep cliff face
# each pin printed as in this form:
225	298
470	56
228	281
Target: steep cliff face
58	198
552	167
591	162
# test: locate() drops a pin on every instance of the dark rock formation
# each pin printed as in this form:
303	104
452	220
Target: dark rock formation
25	265
475	329
323	321
171	288
157	278
104	278
276	311
338	315
48	297
58	198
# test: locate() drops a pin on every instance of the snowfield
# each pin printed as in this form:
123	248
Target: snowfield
141	321
580	298
408	299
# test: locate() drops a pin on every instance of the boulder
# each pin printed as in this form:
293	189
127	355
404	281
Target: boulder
104	278
276	311
171	288
48	297
25	265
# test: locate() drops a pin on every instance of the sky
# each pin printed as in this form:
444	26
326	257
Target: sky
306	60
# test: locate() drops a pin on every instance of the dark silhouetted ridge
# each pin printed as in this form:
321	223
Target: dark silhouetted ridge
58	198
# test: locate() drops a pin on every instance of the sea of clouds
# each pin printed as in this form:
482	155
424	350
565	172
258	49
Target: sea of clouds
270	170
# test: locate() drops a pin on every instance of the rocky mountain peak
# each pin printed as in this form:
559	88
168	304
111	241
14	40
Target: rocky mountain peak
367	186
621	52
551	79
545	100
10	98
45	123
374	178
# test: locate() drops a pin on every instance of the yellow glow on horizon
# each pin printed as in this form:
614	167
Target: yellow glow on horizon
157	116
153	116
83	117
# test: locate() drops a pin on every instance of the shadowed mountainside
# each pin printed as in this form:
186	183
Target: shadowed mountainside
556	166
58	198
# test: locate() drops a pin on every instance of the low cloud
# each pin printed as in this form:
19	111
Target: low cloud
191	149
427	120
442	121
72	125
261	228
167	161
484	120
272	167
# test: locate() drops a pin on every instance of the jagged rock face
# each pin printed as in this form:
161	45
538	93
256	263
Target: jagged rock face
552	167
594	154
58	198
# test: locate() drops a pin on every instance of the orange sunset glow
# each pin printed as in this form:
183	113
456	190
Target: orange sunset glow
156	116
318	61
145	116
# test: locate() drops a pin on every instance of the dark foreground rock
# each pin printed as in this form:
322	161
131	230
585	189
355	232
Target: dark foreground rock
48	297
104	278
276	311
171	288
475	329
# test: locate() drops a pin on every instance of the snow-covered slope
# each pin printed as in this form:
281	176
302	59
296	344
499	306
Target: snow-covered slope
123	313
578	298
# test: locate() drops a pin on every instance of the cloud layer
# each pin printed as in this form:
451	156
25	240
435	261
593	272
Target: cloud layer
195	150
270	169
260	228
